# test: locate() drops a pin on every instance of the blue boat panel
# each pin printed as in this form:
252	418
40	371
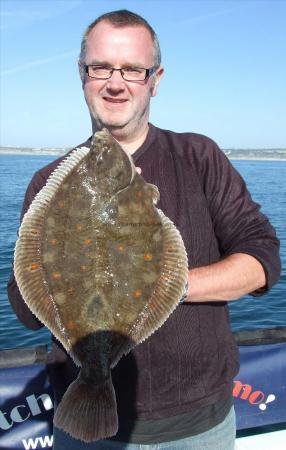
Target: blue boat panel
26	400
260	387
26	408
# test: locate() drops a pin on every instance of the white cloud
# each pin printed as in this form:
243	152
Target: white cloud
39	62
205	17
26	13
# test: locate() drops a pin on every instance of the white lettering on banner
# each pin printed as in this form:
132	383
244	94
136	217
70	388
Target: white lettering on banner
16	416
35	406
269	399
4	424
33	403
38	442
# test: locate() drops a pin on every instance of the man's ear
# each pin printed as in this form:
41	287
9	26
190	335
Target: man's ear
156	80
81	72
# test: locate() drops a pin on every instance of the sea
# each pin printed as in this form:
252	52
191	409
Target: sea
266	181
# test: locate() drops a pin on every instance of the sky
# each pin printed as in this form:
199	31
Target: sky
225	70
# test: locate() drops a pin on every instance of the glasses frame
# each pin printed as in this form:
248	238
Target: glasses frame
149	72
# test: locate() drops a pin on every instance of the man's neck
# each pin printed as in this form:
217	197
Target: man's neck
133	145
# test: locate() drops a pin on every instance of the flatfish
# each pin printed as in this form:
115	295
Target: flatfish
102	268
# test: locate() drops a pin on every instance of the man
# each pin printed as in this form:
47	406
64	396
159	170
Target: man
174	391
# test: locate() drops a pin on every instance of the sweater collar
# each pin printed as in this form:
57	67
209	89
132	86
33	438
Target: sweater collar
150	138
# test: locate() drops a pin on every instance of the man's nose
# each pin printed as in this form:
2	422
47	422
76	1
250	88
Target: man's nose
116	81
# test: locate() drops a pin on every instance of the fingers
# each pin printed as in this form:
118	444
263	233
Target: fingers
138	170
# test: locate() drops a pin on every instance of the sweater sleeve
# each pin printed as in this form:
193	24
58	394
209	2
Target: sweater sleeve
20	308
239	224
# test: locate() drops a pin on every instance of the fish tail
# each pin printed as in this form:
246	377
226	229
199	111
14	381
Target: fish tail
88	412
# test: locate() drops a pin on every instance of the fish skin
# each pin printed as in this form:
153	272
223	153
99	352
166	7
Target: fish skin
102	268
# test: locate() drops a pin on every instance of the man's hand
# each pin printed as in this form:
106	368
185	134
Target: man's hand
233	277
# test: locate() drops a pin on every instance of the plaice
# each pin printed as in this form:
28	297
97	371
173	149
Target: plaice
102	268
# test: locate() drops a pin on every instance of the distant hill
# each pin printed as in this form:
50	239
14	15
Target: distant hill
250	154
33	151
269	153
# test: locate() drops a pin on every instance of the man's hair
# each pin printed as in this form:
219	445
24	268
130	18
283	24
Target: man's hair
123	18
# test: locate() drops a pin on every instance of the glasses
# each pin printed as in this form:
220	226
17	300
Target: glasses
128	73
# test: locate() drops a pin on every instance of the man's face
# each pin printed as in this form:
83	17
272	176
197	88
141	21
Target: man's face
119	105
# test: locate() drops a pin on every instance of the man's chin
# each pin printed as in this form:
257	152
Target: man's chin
112	124
115	126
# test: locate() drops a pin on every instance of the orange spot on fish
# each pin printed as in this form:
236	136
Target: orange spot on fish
120	248
56	275
139	194
34	266
137	293
148	257
79	227
61	204
53	241
71	325
87	242
83	268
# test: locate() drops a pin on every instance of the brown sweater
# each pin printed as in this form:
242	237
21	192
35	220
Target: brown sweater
190	362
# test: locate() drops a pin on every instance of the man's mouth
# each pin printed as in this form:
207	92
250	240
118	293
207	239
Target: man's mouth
114	100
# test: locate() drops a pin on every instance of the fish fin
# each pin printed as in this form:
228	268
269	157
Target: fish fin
88	412
28	266
170	286
155	193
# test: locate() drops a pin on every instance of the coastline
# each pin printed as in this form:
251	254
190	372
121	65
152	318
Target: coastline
33	152
233	154
233	158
